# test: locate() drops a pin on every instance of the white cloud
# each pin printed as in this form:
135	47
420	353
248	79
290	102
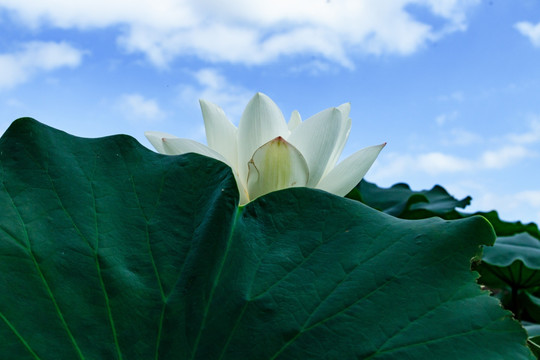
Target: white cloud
530	197
395	165
441	119
436	163
314	67
521	206
511	150
136	107
452	9
503	157
253	32
457	96
446	117
34	57
214	87
461	137
13	102
530	136
529	30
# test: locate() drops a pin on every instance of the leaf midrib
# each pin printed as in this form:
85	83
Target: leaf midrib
216	281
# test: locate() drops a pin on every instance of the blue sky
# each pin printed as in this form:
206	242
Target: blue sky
453	86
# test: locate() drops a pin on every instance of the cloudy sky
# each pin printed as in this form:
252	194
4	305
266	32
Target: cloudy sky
453	86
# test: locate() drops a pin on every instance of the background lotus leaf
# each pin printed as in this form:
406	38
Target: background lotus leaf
400	201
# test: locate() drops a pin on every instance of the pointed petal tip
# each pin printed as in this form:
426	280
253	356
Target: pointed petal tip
294	120
345	109
203	102
262	96
157	139
159	134
342	178
336	109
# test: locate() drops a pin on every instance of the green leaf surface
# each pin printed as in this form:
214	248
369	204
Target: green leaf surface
507	228
400	201
110	251
520	247
513	261
533	329
531	305
534	345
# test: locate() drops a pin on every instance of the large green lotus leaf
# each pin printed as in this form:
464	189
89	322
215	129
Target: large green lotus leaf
534	345
505	228
110	251
533	331
531	310
399	200
513	261
520	247
531	306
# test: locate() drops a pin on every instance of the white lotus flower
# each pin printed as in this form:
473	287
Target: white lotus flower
267	154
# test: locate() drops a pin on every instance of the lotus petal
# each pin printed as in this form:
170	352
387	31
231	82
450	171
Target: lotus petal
294	121
177	146
316	139
274	166
156	139
348	173
261	122
345	109
342	138
221	134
